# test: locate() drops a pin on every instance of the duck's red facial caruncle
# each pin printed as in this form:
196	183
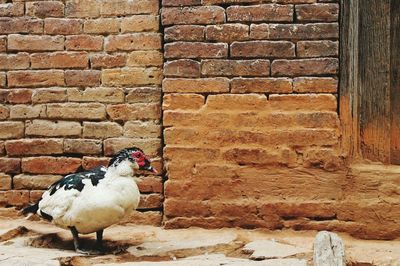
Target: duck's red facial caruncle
142	161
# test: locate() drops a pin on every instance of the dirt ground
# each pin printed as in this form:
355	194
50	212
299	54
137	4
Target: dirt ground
35	242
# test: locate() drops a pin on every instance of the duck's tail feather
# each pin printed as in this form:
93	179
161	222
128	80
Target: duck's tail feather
30	209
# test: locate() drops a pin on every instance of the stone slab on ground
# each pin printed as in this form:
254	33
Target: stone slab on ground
270	249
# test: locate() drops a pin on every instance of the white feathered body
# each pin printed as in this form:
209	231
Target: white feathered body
95	207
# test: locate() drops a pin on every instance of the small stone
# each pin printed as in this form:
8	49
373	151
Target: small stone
328	250
269	249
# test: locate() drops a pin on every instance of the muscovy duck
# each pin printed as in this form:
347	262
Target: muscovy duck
92	200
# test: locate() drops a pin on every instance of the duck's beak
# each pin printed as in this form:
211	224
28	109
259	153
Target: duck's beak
151	169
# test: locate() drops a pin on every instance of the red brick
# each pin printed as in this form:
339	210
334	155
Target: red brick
82	78
216	67
23	111
5	182
17	198
3	43
143	95
128	7
4	112
150	201
50	165
265	85
14	61
136	76
102	26
45	9
245	156
258	49
18	42
55	26
195	50
305	67
82	9
317	12
145	58
150	184
84	43
196	85
2	148
60	60
19	96
137	111
184	68
227	32
92	162
35	195
2	80
15	9
83	146
140	23
184	33
44	128
182	101
317	48
134	41
10	165
151	147
262	13
11	130
82	111
310	102
34	147
181	2
49	95
219	2
294	31
20	25
142	129
107	60
101	130
3	95
192	15
37	78
105	95
23	181
326	85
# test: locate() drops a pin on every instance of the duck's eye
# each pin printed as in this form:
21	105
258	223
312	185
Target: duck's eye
136	155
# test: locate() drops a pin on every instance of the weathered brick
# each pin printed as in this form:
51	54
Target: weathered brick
142	129
3	43
294	31
215	67
60	60
140	23
192	15
5	182
35	196
184	101
17	42
10	165
45	9
89	111
185	68
196	85
143	95
257	49
145	58
101	130
3	95
150	201
107	60
92	162
45	128
14	61
82	9
153	218
264	13
22	111
106	95
82	78
102	26
3	79
131	76
49	95
312	84
4	112
20	96
55	26
24	181
17	198
184	33
150	184
181	2
219	2
317	48
11	130
50	165
261	85
151	147
310	102
83	146
227	32
37	78
84	43
15	9
317	12
128	7
20	25
305	67
195	50
133	41
34	147
2	148
137	111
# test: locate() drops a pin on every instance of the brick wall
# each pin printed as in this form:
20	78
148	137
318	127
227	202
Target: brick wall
250	113
79	80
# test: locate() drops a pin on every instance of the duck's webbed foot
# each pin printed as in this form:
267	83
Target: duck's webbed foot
78	247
